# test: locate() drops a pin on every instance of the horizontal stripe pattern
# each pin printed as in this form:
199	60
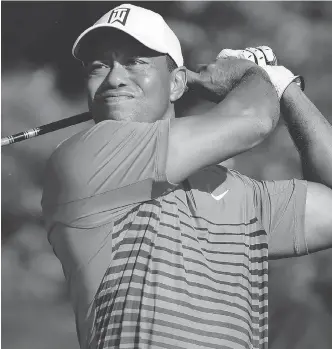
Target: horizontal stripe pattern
179	280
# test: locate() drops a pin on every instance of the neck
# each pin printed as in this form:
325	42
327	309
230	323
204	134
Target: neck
170	113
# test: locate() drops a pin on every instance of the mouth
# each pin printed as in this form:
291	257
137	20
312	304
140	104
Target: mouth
113	97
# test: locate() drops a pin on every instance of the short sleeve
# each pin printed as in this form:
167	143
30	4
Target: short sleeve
97	174
281	209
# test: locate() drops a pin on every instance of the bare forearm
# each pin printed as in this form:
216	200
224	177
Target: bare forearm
254	98
245	101
246	116
241	120
311	133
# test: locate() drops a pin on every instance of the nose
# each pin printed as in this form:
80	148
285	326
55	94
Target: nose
117	76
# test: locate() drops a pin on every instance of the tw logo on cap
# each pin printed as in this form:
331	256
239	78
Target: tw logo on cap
119	15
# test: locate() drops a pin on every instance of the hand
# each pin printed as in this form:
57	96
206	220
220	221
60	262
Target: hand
213	81
263	56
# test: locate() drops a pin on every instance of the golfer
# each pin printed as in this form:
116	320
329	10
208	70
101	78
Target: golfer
161	247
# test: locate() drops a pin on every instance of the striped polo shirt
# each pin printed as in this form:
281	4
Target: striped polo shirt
150	264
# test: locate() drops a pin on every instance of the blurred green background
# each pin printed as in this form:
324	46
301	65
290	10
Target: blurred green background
42	83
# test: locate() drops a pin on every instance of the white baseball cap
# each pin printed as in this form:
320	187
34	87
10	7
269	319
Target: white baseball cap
146	26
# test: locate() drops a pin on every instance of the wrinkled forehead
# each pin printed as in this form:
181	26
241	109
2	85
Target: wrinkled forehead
105	41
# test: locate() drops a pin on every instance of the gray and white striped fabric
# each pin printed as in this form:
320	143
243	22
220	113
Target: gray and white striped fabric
181	281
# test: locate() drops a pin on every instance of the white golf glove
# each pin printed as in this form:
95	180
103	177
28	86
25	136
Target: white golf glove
263	56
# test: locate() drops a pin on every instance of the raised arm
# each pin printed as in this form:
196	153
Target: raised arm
312	135
247	110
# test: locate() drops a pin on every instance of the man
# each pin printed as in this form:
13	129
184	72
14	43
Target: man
160	246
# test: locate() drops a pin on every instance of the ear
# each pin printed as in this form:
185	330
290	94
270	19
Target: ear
178	83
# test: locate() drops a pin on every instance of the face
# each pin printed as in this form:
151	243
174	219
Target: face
126	80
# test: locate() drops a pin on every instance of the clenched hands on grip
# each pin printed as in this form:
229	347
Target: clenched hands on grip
215	80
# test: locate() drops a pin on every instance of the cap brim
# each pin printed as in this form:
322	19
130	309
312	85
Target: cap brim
78	43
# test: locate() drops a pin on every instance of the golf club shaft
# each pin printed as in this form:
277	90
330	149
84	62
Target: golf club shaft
53	126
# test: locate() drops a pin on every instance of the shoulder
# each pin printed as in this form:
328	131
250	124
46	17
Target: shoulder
91	136
75	159
105	135
109	155
109	130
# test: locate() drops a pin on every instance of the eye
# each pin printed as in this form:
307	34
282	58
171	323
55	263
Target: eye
134	61
94	68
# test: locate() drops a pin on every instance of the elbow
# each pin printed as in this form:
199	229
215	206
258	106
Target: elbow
269	113
265	122
263	129
269	123
263	106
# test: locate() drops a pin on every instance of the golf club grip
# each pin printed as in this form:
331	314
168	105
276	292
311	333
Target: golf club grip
53	126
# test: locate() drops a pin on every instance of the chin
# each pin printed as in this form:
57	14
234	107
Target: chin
116	114
124	113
